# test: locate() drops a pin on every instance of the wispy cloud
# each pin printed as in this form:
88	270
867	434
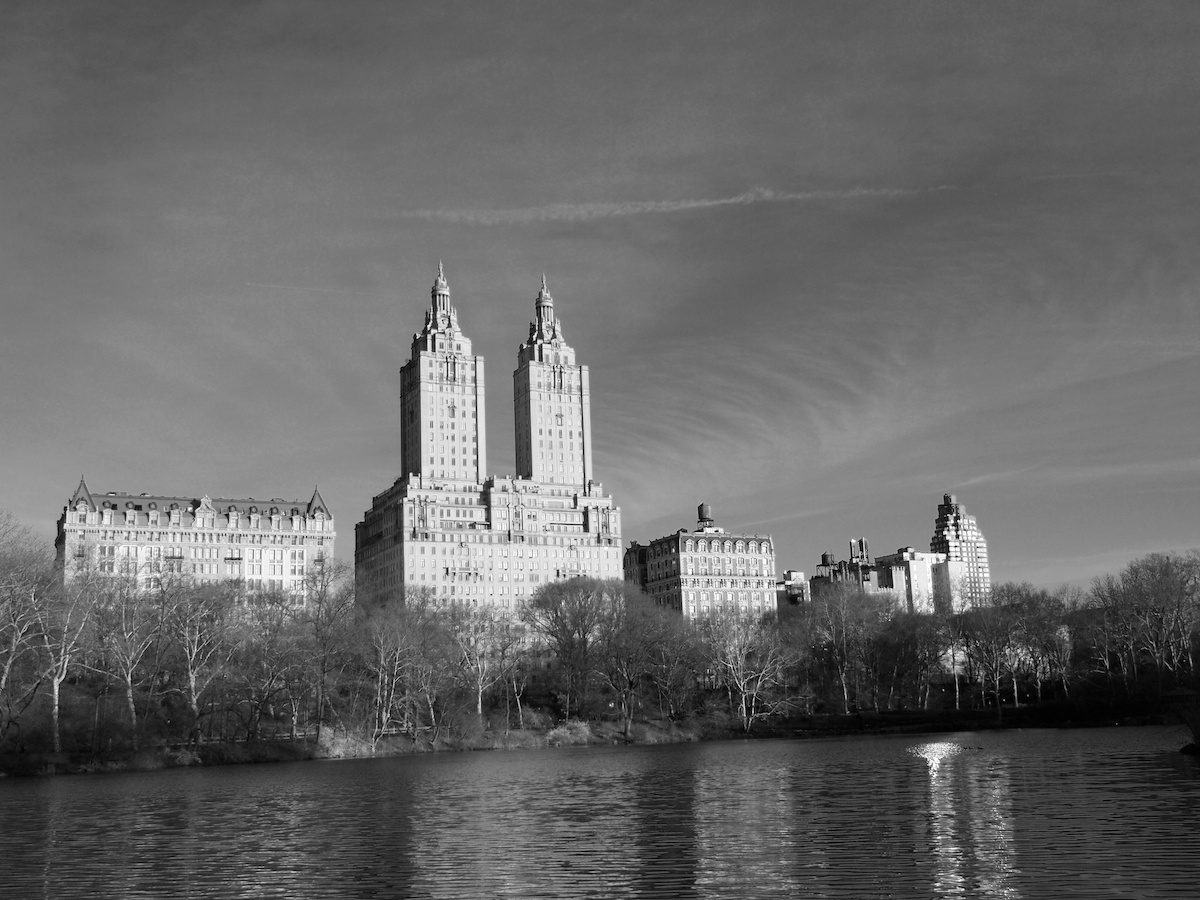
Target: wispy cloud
582	212
312	290
987	477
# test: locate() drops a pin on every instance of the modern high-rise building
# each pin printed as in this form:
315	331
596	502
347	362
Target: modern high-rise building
264	544
447	528
706	570
956	534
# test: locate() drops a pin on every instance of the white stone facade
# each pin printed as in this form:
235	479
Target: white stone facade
701	572
914	577
443	422
446	528
264	544
552	400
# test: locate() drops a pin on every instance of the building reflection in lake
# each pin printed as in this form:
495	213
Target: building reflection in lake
1102	813
744	828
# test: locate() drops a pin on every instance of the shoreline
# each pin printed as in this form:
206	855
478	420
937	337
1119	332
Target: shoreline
572	733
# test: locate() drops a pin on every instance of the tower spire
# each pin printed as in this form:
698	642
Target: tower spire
440	292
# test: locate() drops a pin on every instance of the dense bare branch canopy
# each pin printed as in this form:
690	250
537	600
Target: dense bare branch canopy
100	667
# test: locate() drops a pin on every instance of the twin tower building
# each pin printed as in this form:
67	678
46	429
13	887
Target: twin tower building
445	526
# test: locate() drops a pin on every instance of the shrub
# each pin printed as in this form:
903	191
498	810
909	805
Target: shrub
572	732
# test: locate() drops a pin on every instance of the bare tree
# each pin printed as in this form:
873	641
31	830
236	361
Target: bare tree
482	641
843	619
127	624
407	653
568	615
675	661
629	643
751	660
198	625
266	666
62	616
386	646
989	631
26	577
328	616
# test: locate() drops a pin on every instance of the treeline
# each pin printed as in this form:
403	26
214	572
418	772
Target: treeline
1130	642
98	668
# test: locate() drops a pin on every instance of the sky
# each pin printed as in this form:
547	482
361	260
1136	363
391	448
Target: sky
825	262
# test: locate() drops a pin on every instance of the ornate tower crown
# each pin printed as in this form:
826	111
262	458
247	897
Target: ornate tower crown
441	317
545	329
440	292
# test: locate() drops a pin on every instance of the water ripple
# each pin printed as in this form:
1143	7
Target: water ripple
1097	814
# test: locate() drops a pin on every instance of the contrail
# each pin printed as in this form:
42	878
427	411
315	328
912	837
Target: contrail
582	212
315	290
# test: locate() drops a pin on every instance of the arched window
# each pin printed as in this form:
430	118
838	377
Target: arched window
741	547
702	546
753	547
728	546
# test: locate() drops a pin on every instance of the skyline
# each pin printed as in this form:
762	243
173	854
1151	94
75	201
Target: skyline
824	264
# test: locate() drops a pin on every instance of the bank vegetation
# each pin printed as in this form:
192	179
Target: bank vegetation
98	674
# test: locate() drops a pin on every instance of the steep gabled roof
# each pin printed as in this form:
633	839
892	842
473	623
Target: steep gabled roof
82	493
318	503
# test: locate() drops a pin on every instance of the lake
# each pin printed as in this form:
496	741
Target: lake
1089	813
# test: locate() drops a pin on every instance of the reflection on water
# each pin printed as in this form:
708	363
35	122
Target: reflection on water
970	821
1096	814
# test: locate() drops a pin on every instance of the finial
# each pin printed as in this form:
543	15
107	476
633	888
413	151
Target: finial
441	274
544	288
